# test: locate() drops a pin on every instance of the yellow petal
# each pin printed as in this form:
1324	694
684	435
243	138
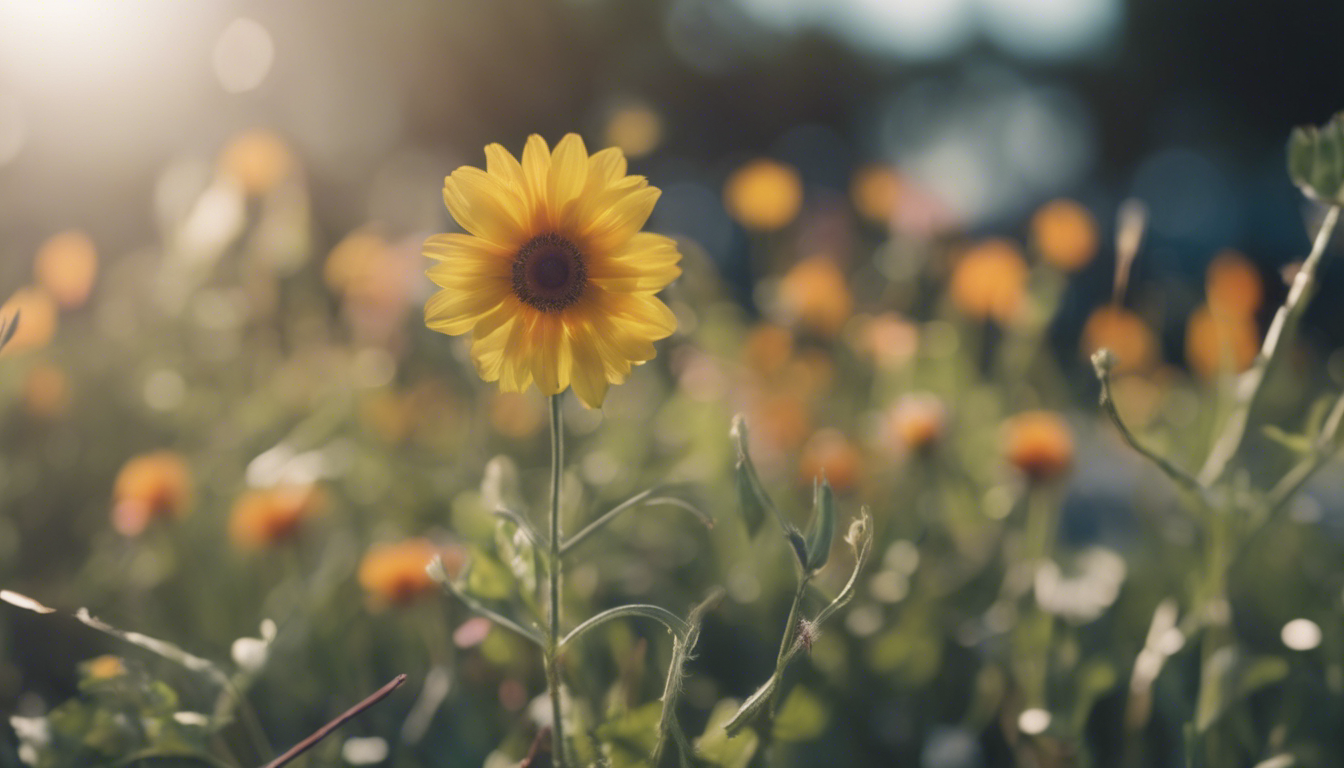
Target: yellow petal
485	206
501	164
440	247
516	372
647	262
537	172
487	352
613	227
569	174
454	311
606	167
551	360
588	377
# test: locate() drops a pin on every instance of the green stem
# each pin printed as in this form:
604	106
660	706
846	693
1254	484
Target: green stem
1250	385
786	644
553	576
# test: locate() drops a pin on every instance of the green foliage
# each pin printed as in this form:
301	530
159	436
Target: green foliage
1316	160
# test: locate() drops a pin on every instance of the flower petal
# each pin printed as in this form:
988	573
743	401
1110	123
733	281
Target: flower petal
485	206
614	226
454	311
588	377
647	262
606	167
446	246
551	361
569	174
537	172
501	164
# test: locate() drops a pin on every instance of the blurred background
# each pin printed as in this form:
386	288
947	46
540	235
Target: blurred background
211	216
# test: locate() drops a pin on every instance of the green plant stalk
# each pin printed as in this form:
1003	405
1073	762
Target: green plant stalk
786	643
553	576
1250	385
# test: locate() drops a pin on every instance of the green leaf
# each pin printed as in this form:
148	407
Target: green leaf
798	543
628	740
821	531
487	577
755	502
1316	160
802	716
718	748
1299	444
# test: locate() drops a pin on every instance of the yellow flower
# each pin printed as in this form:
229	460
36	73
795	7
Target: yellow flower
554	281
1065	233
66	266
148	487
763	195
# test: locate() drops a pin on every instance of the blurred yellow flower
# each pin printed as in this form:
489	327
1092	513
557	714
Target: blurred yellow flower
1232	285
46	392
1217	340
990	280
104	667
38	321
829	452
635	129
764	195
1039	444
1065	234
917	421
150	487
555	281
267	517
876	192
1124	333
257	159
815	295
66	266
395	572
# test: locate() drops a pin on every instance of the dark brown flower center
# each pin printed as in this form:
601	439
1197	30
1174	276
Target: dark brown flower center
549	273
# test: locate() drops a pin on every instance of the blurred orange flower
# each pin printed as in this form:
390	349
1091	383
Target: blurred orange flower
257	159
263	518
876	192
66	266
1125	334
763	195
990	280
148	487
516	415
889	339
1065	234
1232	284
828	451
815	295
395	572
917	421
1039	444
46	392
1218	340
767	349
780	420
37	323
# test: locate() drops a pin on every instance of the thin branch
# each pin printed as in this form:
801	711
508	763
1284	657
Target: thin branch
437	573
673	622
1251	383
1101	363
643	497
1322	451
532	534
324	731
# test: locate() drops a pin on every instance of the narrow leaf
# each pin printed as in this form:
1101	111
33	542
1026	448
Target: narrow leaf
821	532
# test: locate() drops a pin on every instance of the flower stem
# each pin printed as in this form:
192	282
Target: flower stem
1250	385
553	577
